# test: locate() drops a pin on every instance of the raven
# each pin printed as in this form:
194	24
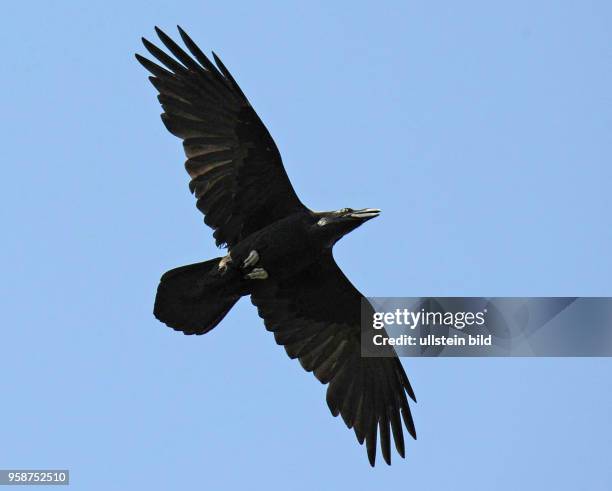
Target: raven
279	251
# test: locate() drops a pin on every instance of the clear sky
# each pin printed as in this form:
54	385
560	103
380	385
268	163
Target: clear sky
483	130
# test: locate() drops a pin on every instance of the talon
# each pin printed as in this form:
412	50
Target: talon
257	274
224	262
251	260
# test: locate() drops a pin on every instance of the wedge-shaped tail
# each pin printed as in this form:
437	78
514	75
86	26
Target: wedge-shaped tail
194	298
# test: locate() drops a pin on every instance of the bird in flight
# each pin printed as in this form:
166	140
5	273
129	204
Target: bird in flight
279	252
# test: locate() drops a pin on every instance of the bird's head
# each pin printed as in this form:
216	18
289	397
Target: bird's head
333	225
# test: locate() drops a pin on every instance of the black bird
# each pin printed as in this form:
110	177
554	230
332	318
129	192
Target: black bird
279	251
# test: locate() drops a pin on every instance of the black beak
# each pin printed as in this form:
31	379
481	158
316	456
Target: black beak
365	214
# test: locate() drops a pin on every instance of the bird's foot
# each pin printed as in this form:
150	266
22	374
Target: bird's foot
257	274
224	262
251	260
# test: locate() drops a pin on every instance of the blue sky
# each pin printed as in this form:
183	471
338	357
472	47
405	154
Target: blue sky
481	129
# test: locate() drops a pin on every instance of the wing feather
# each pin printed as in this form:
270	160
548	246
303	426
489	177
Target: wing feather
236	171
316	316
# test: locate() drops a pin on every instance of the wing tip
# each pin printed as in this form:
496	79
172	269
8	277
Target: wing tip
372	458
181	30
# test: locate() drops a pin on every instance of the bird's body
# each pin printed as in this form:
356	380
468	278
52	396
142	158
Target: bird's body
279	251
285	247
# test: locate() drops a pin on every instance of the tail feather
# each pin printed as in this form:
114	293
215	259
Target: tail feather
192	299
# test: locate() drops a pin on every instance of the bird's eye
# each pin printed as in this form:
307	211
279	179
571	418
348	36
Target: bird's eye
322	222
346	210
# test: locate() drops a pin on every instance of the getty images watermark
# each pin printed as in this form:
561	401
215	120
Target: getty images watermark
483	326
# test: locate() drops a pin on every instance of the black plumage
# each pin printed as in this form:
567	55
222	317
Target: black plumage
279	251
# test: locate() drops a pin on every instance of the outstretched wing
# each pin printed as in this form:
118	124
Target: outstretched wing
316	317
237	174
